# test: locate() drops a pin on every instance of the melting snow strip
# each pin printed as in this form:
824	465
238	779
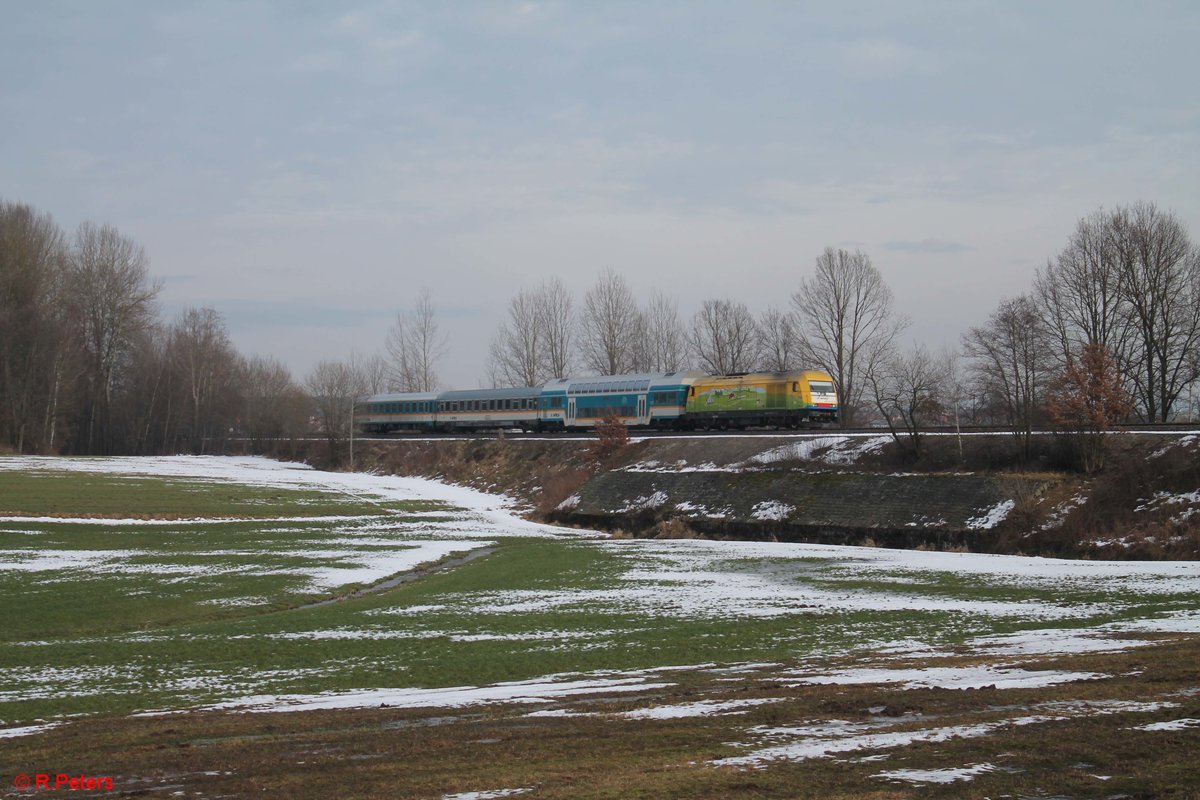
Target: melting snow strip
703	708
27	730
535	691
1173	725
948	678
824	739
947	775
488	795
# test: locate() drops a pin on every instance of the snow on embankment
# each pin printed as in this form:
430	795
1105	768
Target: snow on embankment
796	489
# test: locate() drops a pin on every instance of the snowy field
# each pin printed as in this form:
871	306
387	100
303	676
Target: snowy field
546	615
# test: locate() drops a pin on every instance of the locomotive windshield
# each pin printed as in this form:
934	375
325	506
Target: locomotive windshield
820	387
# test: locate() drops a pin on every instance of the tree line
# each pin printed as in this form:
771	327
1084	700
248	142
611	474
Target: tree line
1109	330
1115	315
87	364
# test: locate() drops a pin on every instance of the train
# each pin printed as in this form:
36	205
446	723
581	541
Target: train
686	400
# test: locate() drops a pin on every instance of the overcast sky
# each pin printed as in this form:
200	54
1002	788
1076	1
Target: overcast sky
304	167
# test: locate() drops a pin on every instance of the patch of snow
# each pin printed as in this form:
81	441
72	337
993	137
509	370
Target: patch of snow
643	503
1060	512
1173	725
772	511
62	560
843	450
236	602
568	504
947	775
821	740
351	563
111	522
491	509
1160	499
374	565
492	794
991	517
1046	641
949	677
535	691
703	708
679	466
408	610
704	583
27	730
848	740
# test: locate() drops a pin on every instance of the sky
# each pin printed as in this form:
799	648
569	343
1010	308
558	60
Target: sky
305	168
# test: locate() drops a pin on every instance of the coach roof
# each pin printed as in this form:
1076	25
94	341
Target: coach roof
497	394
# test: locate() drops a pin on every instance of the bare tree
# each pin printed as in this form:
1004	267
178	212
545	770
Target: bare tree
533	344
112	300
556	320
275	407
642	352
845	322
152	397
956	391
1160	281
724	337
34	347
609	326
335	387
1009	361
908	390
1080	294
377	374
516	352
778	345
206	363
415	345
665	349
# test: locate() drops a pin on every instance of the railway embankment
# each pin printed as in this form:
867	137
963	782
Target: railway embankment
965	494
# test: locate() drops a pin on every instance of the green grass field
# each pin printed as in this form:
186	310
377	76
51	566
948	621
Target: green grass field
173	594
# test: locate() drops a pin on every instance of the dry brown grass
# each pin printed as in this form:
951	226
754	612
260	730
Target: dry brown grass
558	486
674	528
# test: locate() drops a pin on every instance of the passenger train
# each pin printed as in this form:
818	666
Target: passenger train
688	400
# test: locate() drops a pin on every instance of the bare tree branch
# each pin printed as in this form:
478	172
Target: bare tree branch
723	337
845	322
609	327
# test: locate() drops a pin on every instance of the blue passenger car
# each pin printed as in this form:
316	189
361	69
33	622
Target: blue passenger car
552	406
407	411
478	409
643	399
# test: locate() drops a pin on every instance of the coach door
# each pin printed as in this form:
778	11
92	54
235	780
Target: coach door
570	410
641	408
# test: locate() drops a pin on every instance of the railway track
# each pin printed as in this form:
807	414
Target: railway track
943	430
